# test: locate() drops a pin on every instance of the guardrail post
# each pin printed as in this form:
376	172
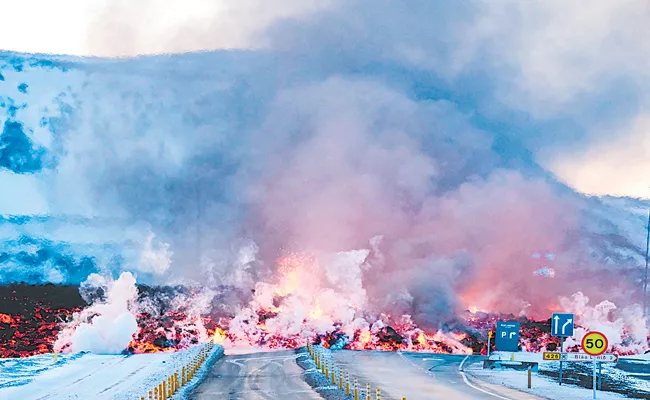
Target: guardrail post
347	383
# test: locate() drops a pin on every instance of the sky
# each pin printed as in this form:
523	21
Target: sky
579	73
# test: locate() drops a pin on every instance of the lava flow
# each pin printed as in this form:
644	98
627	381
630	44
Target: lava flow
305	303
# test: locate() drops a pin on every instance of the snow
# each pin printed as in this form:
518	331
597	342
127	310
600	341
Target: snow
637	357
519	356
631	380
95	376
541	385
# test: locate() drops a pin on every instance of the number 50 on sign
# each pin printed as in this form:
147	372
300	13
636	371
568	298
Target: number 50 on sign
595	343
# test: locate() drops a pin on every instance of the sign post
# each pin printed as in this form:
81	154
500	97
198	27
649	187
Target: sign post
488	346
562	325
594	344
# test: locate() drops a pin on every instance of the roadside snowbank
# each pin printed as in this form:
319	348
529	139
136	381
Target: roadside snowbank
103	376
541	385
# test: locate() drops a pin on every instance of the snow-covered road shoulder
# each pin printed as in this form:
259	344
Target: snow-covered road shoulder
95	376
541	385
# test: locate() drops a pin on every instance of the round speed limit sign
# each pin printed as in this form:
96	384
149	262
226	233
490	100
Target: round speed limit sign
595	343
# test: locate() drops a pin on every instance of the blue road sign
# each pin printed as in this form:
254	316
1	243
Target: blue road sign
507	336
562	324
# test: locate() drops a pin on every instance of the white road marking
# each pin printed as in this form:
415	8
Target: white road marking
265	358
236	363
462	373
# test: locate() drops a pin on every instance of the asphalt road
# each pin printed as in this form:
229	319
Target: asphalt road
416	376
257	376
420	376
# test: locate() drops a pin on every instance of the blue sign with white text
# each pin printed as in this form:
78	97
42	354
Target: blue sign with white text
562	324
507	336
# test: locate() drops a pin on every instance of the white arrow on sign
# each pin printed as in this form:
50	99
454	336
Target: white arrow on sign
557	322
568	321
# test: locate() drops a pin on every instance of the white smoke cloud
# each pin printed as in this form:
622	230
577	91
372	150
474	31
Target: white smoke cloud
107	326
155	259
336	134
626	329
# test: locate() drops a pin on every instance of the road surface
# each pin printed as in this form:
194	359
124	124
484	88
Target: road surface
420	376
257	376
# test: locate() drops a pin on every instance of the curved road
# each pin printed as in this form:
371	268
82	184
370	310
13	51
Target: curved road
420	376
416	376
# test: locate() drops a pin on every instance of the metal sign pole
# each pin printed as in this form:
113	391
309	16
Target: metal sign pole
594	358
488	349
561	351
600	376
645	279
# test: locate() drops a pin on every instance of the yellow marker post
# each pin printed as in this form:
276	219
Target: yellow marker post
155	393
347	383
368	391
340	379
512	357
56	355
333	375
150	396
378	395
356	389
530	377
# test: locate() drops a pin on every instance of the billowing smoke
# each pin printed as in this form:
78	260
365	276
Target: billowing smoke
365	154
626	328
108	325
